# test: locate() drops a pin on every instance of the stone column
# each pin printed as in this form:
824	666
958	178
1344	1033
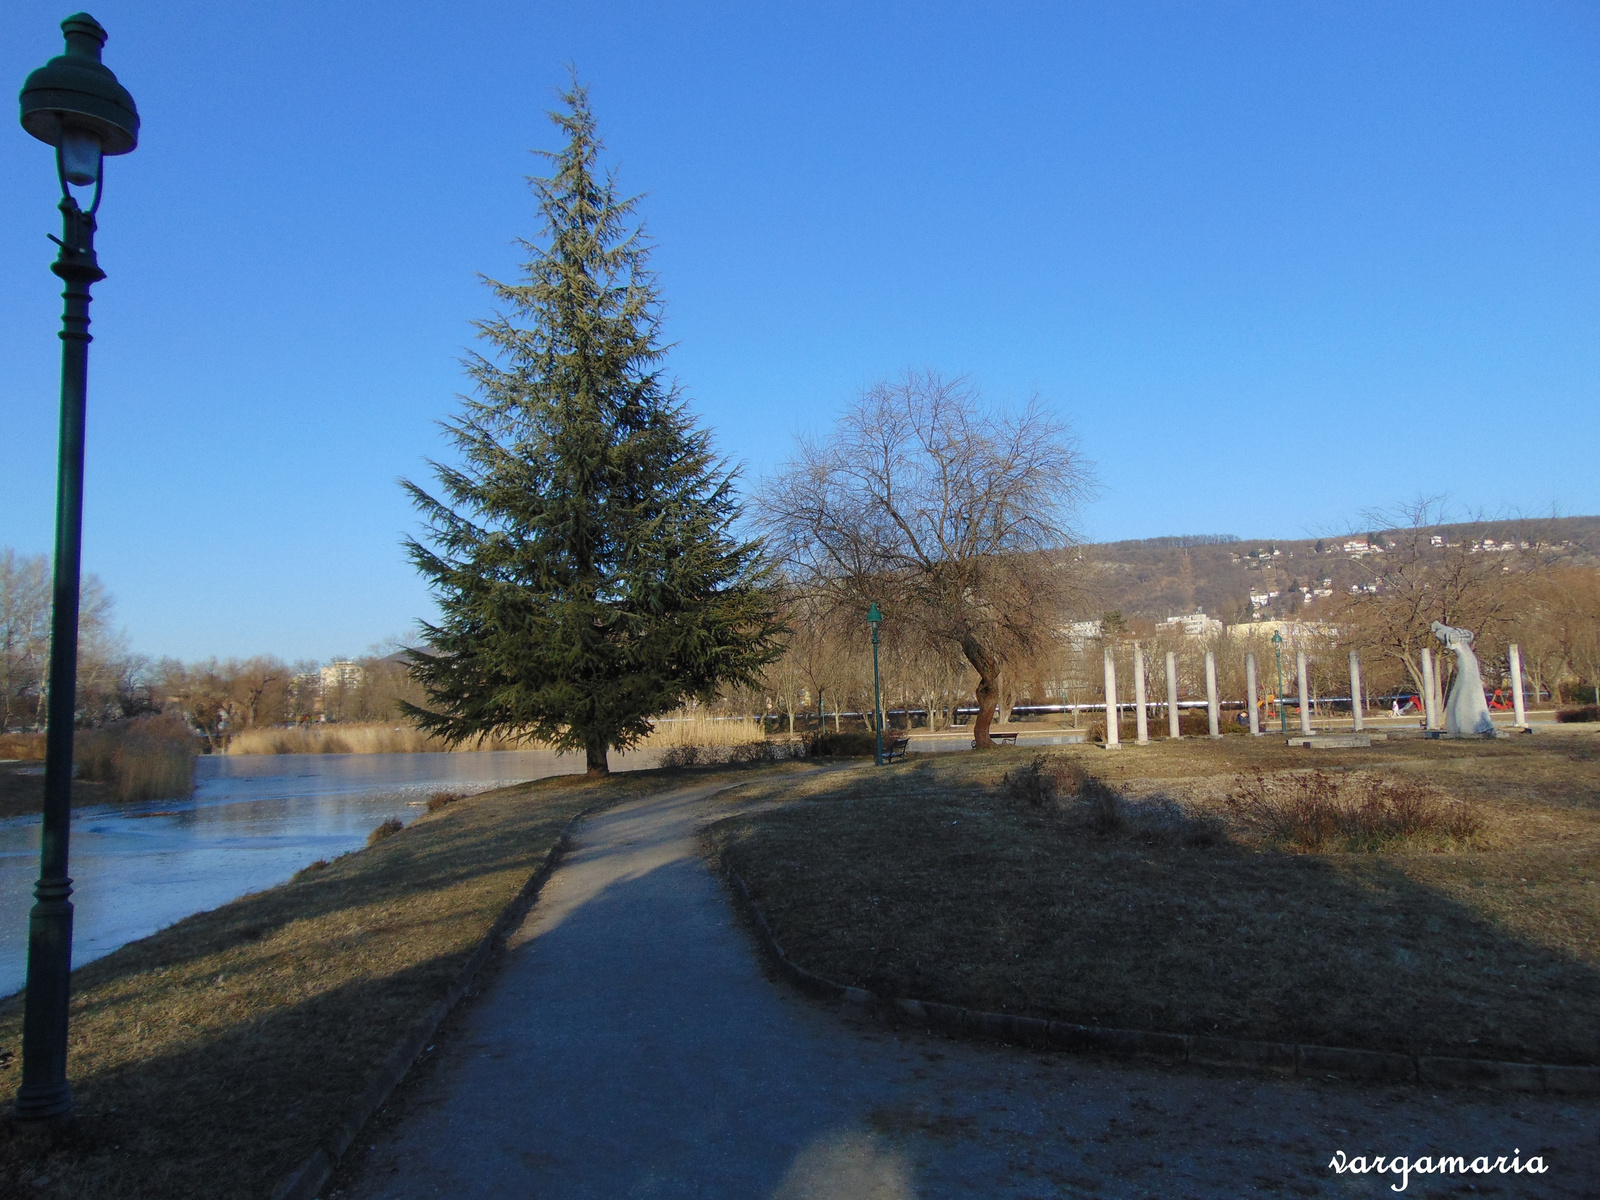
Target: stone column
1111	700
1430	712
1213	705
1140	718
1357	708
1250	693
1305	705
1172	695
1516	687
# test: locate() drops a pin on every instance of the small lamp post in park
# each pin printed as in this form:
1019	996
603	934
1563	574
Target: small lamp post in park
875	618
1283	713
76	105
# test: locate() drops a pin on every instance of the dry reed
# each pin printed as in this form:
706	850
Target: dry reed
148	758
25	746
684	728
357	738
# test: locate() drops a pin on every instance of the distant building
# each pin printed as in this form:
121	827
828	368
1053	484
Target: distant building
1195	624
342	675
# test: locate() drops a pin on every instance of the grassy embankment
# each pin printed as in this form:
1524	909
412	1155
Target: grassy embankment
1428	897
207	1059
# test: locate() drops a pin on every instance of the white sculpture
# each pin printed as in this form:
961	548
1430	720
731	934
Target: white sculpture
1465	713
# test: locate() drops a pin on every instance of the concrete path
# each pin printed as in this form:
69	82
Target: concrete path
631	1045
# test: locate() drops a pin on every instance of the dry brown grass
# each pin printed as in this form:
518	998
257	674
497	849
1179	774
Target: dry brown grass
1149	903
208	1059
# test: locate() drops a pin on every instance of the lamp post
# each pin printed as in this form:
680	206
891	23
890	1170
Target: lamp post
875	618
76	105
1283	713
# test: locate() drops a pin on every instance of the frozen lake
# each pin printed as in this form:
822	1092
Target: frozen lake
253	822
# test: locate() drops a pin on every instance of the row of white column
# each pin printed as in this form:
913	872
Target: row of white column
1432	705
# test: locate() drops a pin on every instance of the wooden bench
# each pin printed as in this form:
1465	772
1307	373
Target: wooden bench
1009	738
895	748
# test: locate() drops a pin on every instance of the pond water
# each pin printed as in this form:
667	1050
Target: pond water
253	822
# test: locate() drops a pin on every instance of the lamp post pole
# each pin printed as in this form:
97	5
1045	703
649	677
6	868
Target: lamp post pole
875	618
1283	713
76	105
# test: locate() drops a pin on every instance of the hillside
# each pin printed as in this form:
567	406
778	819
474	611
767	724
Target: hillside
1219	573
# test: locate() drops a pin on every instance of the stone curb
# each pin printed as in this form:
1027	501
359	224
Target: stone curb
308	1178
1275	1058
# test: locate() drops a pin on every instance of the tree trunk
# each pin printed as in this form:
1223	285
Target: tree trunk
988	669
595	753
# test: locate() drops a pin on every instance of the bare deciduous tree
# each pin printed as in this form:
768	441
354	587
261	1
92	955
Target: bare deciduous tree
946	512
1419	576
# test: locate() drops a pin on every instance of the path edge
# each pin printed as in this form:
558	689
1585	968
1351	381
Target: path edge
1275	1058
304	1181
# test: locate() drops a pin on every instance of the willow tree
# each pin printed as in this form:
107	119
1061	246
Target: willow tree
953	516
581	549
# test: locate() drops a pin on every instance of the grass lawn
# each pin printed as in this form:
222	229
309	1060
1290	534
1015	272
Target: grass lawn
933	879
208	1059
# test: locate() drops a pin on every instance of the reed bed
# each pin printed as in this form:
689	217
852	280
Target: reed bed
147	758
672	731
25	746
357	738
685	728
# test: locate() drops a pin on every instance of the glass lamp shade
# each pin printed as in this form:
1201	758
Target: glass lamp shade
80	157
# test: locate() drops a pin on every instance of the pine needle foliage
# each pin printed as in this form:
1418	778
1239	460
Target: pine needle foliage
582	552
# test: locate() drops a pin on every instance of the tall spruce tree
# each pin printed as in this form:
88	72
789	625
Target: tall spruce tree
582	553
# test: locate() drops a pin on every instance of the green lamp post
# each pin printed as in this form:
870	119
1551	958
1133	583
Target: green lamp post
1283	713
76	105
875	618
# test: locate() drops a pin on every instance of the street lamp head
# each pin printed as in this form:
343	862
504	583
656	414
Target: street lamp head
75	104
873	615
1277	637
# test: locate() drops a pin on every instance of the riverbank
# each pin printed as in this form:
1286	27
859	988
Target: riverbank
208	1059
1459	916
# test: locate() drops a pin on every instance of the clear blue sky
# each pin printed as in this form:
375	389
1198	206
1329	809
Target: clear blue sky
1277	262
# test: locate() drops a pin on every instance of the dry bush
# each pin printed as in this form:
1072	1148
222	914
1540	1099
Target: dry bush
1319	812
1589	712
29	746
388	829
854	743
148	758
746	752
1045	779
439	799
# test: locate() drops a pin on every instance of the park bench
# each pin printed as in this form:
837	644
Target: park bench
896	748
1009	738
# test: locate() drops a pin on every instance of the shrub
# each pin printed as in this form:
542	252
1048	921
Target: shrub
1044	780
1320	812
857	743
439	799
1574	715
719	755
147	758
388	829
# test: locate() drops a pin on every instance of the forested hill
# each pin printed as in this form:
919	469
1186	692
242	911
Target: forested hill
1218	573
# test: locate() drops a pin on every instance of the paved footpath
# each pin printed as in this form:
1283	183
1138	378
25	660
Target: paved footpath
631	1045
